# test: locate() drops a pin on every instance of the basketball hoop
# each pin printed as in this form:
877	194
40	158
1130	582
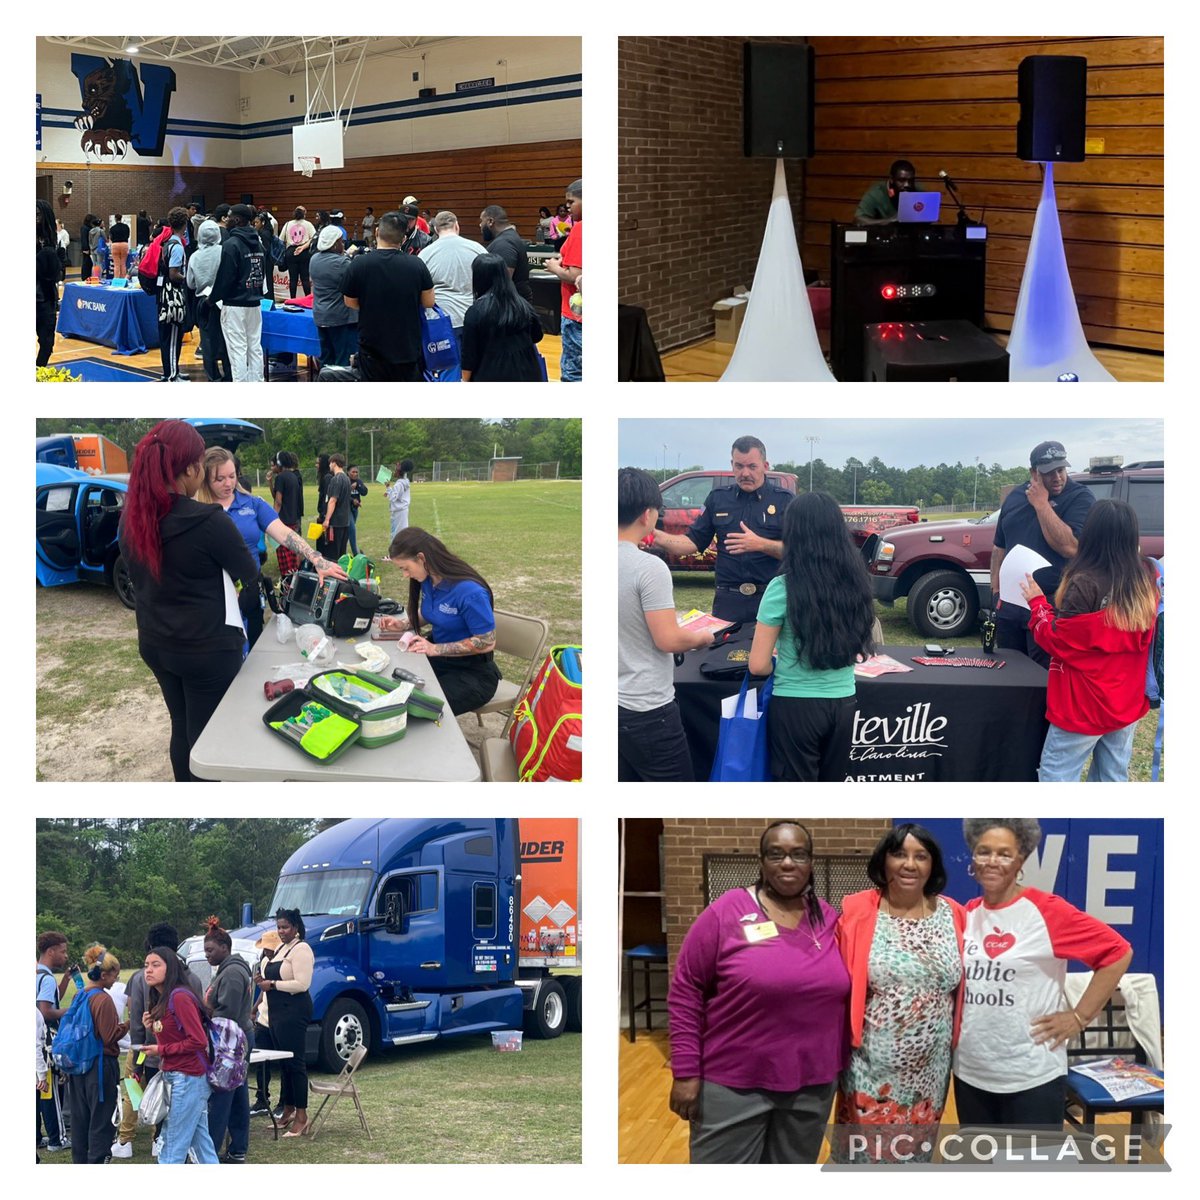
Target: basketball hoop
308	164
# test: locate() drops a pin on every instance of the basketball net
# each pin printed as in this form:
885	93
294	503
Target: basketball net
308	164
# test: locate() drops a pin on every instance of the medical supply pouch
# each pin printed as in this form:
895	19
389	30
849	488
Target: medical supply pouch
379	706
314	729
547	727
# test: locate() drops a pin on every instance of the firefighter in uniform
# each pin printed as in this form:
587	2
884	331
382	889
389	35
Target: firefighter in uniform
747	521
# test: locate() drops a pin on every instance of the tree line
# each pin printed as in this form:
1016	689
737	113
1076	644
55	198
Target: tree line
109	880
423	439
874	482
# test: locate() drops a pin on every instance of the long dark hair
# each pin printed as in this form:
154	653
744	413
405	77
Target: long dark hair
439	562
812	904
47	229
1108	554
293	918
159	459
496	297
176	977
829	605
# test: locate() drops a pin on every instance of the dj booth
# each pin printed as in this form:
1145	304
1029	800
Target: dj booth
889	281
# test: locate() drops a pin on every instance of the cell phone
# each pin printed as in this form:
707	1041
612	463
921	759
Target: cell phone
933	650
408	676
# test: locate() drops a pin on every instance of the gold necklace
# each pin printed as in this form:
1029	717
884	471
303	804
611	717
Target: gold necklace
809	933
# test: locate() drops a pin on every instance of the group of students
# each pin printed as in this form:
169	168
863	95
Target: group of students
815	622
181	552
168	1029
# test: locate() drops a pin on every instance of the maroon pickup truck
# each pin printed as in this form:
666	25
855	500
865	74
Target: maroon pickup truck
683	498
943	568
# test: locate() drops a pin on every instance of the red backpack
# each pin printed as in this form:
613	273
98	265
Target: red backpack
547	728
148	263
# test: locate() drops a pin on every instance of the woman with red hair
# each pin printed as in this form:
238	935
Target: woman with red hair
183	559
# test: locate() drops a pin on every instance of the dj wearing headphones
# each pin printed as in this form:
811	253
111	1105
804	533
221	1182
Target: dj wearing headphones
880	202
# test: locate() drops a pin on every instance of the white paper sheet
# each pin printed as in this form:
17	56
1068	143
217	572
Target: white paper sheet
233	614
1019	561
729	705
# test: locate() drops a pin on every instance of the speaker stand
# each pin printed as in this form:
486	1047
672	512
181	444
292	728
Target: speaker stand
1047	338
778	339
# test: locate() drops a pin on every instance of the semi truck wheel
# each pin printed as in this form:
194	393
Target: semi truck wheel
345	1027
548	1017
572	987
943	604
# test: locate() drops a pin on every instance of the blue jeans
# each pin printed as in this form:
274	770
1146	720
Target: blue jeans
230	1111
570	367
1064	756
353	531
338	342
187	1122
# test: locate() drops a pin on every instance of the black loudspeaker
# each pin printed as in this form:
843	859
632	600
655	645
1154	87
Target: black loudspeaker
248	198
1052	89
778	100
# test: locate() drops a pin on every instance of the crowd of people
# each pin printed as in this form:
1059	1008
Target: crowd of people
191	524
869	1012
368	292
789	564
167	1019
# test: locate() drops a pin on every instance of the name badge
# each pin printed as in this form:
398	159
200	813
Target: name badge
761	932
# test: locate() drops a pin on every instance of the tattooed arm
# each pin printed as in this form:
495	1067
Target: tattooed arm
288	537
480	643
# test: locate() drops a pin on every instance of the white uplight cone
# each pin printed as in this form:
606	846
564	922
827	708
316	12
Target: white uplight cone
1047	336
778	339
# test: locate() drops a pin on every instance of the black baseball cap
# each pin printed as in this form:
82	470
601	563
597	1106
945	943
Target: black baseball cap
1048	456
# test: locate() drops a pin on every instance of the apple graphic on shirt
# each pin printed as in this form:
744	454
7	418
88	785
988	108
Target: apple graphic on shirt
996	943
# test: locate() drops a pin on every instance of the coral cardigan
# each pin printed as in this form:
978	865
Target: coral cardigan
855	932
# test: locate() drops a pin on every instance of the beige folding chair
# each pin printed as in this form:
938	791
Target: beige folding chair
522	637
877	634
497	761
343	1085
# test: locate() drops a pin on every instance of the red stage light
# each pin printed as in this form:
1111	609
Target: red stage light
888	291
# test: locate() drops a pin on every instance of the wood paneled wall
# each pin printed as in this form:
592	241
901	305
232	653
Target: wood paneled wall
951	104
521	178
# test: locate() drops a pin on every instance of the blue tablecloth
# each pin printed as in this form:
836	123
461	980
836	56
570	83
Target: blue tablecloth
294	333
124	318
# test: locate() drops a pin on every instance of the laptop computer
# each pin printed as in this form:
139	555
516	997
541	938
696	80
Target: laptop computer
916	207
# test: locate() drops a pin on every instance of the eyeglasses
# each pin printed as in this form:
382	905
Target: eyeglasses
1003	857
800	857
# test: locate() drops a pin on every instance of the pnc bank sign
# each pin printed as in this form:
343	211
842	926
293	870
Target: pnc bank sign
91	305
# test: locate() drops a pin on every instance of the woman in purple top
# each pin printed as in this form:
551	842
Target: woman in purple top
758	1013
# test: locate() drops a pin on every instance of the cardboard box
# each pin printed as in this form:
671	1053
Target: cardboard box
728	315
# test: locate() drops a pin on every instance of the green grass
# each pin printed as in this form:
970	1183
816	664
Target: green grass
694	589
453	1101
524	538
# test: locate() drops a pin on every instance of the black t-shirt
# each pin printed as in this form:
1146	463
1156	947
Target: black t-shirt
119	232
143	230
387	285
338	490
510	246
287	487
1018	525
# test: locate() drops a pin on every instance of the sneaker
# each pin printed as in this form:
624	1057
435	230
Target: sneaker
278	1111
158	1145
261	1108
230	1157
121	1150
56	1147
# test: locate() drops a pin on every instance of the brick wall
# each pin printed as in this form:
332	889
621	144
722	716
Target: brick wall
691	208
687	840
126	189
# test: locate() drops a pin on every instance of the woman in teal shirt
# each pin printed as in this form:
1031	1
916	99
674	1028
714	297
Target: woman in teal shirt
817	613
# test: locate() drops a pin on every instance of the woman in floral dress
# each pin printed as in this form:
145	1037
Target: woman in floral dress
902	943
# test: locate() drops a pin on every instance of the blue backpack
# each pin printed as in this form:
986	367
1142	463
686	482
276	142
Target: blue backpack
77	1046
440	347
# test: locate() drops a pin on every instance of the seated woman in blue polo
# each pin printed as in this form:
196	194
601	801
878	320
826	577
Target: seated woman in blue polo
455	601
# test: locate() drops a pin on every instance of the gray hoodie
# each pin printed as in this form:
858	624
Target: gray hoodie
202	267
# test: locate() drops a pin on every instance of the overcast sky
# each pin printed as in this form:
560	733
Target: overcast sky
899	443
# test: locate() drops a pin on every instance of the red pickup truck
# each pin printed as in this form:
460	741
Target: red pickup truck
944	567
683	498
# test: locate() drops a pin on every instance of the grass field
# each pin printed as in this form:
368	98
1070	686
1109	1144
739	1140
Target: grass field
695	590
454	1101
100	714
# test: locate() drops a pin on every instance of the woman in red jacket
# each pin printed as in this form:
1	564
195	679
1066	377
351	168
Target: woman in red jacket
902	944
181	1043
1098	634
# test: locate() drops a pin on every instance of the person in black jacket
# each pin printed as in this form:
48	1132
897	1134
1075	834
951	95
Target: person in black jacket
240	287
47	281
500	329
179	554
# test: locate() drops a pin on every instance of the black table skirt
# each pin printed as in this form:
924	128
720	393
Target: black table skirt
932	724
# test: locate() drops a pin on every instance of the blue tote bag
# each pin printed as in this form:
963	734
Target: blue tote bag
742	753
439	347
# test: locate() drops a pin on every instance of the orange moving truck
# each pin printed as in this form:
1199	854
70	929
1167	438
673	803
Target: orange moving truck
96	455
551	945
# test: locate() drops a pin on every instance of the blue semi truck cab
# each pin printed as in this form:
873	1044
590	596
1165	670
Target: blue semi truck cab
415	930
